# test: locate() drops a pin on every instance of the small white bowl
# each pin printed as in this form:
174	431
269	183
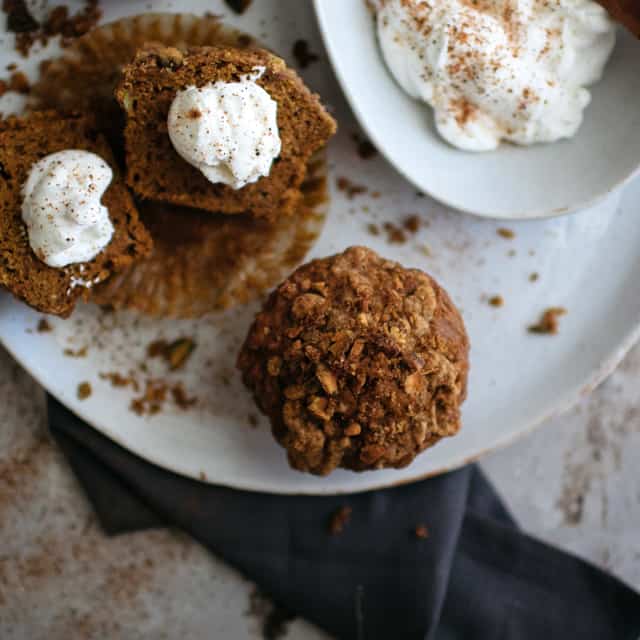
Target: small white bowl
513	182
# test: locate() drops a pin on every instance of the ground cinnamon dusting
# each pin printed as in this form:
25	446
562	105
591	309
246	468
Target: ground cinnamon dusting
303	54
339	520
548	323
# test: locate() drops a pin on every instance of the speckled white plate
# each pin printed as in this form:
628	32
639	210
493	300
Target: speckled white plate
588	263
513	182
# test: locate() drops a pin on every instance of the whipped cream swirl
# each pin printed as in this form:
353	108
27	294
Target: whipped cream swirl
497	70
228	130
62	209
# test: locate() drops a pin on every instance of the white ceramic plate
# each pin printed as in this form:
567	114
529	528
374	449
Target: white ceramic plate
513	182
587	263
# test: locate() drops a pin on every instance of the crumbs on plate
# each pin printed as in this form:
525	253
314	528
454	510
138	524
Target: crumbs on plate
548	323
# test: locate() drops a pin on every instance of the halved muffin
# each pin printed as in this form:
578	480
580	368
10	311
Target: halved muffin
55	290
155	169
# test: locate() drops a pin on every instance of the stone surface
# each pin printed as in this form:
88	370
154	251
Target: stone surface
572	483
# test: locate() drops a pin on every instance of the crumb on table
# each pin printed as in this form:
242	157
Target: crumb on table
339	520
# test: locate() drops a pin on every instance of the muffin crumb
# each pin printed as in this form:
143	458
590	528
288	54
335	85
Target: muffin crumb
44	326
364	146
238	6
350	188
303	55
508	234
84	390
421	531
339	520
548	323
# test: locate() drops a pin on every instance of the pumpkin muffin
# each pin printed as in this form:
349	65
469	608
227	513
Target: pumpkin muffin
358	362
149	88
23	142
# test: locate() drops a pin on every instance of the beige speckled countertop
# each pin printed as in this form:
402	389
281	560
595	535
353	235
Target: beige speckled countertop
574	483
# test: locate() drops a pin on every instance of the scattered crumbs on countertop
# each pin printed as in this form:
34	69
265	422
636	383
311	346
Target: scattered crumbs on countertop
496	301
373	229
548	323
84	390
534	277
339	520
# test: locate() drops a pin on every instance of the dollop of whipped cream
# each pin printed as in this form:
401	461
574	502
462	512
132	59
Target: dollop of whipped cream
228	130
61	207
497	70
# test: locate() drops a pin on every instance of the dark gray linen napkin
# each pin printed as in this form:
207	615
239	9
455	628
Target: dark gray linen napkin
475	576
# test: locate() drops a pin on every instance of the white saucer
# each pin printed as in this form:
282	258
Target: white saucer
513	182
